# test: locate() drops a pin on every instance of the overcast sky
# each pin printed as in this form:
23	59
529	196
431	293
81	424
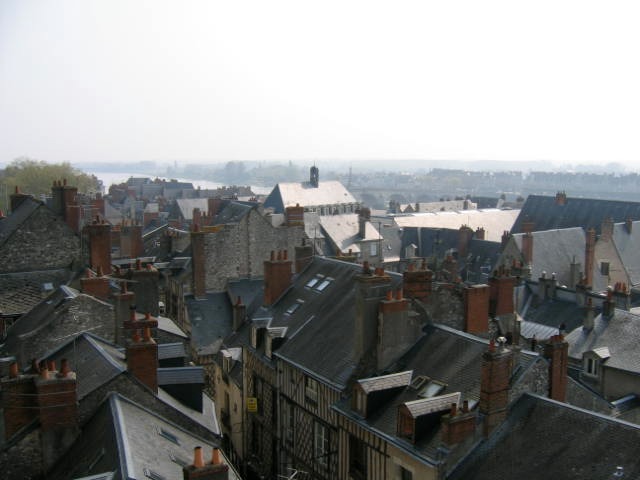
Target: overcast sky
110	80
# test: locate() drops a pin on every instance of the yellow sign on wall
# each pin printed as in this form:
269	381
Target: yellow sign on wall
252	404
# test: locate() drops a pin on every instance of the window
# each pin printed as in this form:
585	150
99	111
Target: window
357	458
311	389
592	366
604	268
312	282
374	249
405	474
324	284
289	423
294	307
321	444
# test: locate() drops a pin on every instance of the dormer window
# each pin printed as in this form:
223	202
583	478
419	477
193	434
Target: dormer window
591	366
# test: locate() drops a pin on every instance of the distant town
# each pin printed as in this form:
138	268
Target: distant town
281	321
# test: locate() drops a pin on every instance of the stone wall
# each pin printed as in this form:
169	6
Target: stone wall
42	242
239	250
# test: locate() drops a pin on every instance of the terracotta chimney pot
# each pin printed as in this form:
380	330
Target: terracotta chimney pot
51	365
13	370
215	456
64	367
389	295
198	460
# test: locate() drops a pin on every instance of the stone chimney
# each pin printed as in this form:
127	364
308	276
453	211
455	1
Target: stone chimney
497	365
142	358
622	296
131	245
303	255
556	350
363	218
96	284
16	198
198	263
589	257
609	305
480	233
465	233
606	230
239	314
581	294
277	276
458	424
575	273
501	286
589	315
398	329
476	309
506	236
294	216
216	469
370	287
561	198
417	284
124	305
99	239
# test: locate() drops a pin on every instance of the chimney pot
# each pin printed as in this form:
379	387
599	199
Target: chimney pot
215	456
51	365
13	370
465	406
64	367
147	334
399	294
44	372
198	460
389	295
454	409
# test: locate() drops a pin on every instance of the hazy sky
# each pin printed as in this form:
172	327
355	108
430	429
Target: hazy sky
554	81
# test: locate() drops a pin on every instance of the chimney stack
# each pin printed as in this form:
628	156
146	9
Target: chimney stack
131	245
142	358
417	284
589	315
561	198
277	276
458	425
480	233
371	287
96	285
294	216
501	286
497	365
606	230
476	309
589	257
506	236
363	218
465	233
17	198
99	240
214	470
303	255
397	329
556	350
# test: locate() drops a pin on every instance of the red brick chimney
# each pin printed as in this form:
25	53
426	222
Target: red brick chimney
142	358
561	198
304	255
497	365
214	206
417	284
277	276
458	425
57	396
294	216
19	401
606	230
480	233
465	233
95	284
501	286
17	198
216	469
196	218
97	205
476	309
198	263
371	287
556	350
99	234
589	257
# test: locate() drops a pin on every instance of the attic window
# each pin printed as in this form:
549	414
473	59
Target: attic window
294	307
604	268
312	282
153	475
325	283
419	382
168	435
431	389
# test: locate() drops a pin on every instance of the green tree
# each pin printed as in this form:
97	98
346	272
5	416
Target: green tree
36	178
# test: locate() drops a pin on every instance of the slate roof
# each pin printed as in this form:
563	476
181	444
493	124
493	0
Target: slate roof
171	350
620	335
628	246
186	206
19	292
494	221
552	312
577	212
125	437
391	237
11	223
554	251
482	257
343	231
233	212
211	321
167	325
304	194
541	435
250	291
320	335
180	375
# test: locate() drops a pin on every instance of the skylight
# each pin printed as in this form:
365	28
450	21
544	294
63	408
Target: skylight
325	283
153	475
293	307
312	282
168	435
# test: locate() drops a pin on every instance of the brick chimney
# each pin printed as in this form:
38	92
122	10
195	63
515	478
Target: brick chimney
561	198
196	218
609	305
371	287
480	233
397	329
198	263
506	236
57	396
589	257
99	239
465	233
458	425
417	284
363	218
131	245
606	230
124	304
497	365
622	296
214	206
16	198
19	401
96	284
97	204
589	315
239	314
294	216
277	276
142	358
556	350
501	285
476	309
303	255
216	469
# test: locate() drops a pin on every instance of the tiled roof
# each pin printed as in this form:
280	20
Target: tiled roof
304	194
577	212
544	438
394	380
494	221
619	334
211	321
